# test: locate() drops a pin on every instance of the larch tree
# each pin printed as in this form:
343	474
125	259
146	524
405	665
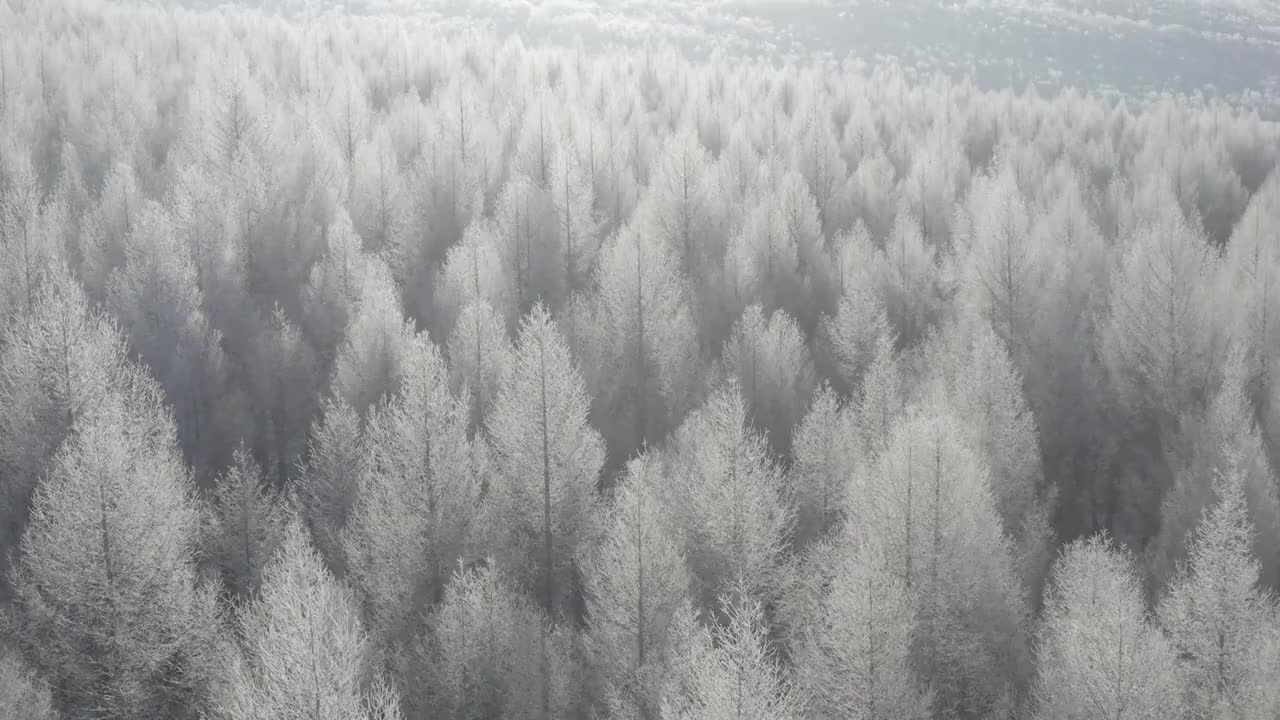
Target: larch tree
998	256
771	363
23	696
909	282
674	211
727	494
927	501
106	596
852	655
732	672
59	367
414	515
379	201
1215	613
473	271
337	459
849	335
971	367
157	298
370	361
1251	265
334	289
246	524
491	653
641	343
881	401
825	453
1227	437
1157	343
801	224
1100	654
579	223
480	356
301	651
284	378
634	581
548	458
27	241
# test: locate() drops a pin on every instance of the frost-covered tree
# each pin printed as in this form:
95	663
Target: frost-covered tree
106	597
301	651
28	240
1157	342
634	582
246	524
480	356
23	696
641	345
976	375
338	458
490	653
881	402
370	362
1227	437
825	452
473	271
59	367
284	382
998	251
853	655
1101	656
909	281
860	317
548	460
157	298
733	672
1215	614
927	501
727	494
334	289
769	359
414	515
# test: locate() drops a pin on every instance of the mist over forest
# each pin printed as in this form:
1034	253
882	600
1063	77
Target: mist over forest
654	361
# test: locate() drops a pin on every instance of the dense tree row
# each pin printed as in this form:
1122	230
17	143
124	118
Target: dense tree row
351	371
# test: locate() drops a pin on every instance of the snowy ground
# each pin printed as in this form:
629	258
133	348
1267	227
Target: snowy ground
1217	47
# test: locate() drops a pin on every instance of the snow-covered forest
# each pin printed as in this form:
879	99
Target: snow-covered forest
352	369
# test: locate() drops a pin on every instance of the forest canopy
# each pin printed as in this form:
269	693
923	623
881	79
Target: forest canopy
353	369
